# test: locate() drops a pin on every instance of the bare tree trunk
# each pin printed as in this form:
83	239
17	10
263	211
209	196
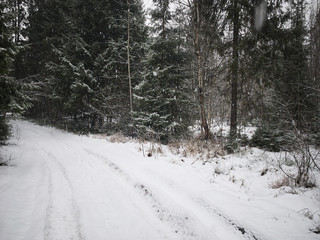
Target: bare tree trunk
234	73
128	59
204	124
17	21
315	51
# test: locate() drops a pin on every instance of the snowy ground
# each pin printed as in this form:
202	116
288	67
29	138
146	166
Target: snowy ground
63	186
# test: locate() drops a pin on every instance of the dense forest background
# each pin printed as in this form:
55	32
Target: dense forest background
97	66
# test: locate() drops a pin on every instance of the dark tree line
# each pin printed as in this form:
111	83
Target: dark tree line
90	65
80	49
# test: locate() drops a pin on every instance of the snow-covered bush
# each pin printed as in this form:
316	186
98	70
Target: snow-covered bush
305	160
268	139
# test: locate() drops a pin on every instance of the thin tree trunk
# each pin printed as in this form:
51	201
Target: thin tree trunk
204	124
234	73
128	59
17	23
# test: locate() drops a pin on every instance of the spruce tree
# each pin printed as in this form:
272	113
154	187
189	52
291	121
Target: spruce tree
6	57
47	31
315	69
162	97
104	28
289	108
293	90
77	51
12	97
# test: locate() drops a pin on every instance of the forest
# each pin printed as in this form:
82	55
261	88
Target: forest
112	66
159	119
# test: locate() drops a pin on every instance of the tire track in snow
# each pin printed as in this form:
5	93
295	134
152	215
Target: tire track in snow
112	180
120	179
248	234
180	223
62	217
213	211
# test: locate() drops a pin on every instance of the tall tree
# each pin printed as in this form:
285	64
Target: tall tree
12	97
7	51
291	89
290	107
79	54
47	31
128	57
19	11
162	95
315	62
234	70
198	23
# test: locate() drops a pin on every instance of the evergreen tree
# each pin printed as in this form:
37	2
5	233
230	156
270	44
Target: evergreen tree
297	112
315	68
162	95
7	46
263	60
48	29
291	87
108	47
19	11
12	97
78	54
290	109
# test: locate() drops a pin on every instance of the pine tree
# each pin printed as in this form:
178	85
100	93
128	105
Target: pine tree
12	97
263	61
294	88
290	110
162	95
315	69
78	54
48	29
7	46
109	51
261	25
19	11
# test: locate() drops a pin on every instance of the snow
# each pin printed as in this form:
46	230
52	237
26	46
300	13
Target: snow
63	186
222	129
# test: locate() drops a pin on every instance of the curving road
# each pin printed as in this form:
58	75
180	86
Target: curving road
75	187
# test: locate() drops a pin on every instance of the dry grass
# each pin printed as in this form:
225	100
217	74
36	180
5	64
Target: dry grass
99	136
285	181
217	170
118	138
203	150
233	179
150	149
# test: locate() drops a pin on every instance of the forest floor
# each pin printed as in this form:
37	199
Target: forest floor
59	185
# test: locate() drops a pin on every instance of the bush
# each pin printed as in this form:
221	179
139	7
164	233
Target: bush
4	131
269	139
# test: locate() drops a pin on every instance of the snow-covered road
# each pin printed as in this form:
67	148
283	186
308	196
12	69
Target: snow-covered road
64	186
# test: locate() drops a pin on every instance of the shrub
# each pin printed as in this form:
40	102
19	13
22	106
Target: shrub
269	139
4	131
